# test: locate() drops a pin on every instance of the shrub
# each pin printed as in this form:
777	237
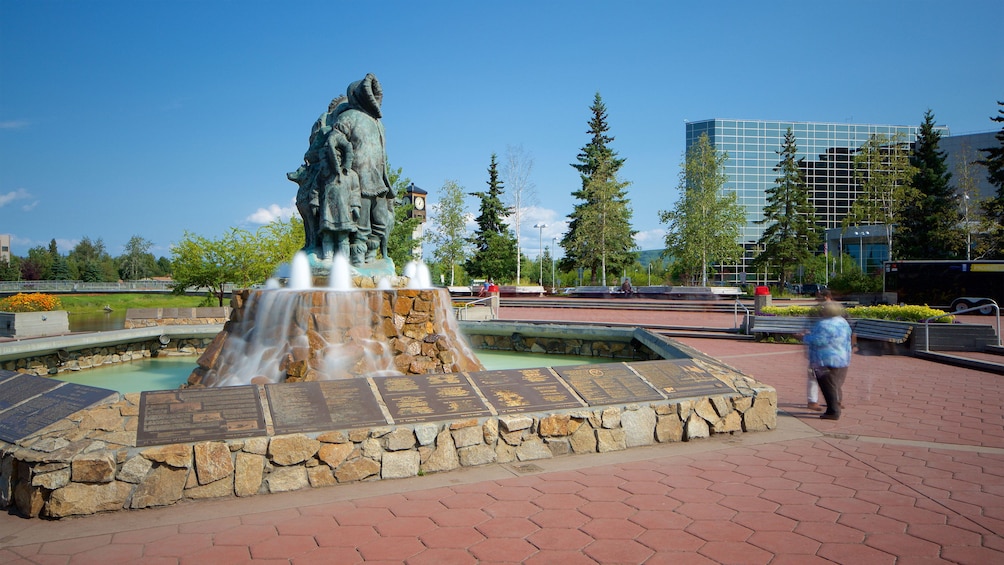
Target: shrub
30	303
894	312
902	313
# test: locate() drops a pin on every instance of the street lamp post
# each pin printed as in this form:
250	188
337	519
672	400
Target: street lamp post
553	240
540	250
969	242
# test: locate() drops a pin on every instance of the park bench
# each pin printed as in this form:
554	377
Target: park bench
767	326
882	330
877	337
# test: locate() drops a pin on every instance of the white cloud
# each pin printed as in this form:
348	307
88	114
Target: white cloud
14	124
271	213
651	239
30	207
13	195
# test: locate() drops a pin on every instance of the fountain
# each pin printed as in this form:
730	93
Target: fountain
302	333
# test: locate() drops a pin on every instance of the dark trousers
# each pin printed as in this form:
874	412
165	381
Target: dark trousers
831	383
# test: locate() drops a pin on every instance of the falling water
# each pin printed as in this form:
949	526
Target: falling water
418	275
299	276
323	334
341	274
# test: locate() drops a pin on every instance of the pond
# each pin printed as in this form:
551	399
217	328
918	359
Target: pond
97	322
171	372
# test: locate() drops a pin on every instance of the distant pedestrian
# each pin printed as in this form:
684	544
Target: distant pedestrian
811	384
829	345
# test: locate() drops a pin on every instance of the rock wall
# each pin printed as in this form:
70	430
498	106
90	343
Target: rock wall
88	463
91	357
150	317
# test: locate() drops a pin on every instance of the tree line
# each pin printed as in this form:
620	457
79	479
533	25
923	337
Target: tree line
902	183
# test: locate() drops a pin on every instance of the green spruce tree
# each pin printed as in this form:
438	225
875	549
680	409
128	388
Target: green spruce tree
990	244
599	235
930	223
790	236
493	243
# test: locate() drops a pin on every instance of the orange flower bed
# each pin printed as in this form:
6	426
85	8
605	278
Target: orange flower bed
30	303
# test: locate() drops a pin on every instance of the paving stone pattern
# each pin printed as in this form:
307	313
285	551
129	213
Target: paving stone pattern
912	473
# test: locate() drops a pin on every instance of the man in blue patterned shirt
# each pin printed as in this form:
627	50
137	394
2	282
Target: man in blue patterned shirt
829	355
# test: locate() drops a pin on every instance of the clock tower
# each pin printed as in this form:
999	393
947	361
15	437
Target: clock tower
416	197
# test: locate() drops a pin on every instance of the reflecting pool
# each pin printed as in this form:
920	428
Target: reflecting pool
172	372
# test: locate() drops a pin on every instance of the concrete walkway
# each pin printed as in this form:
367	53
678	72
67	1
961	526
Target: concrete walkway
913	472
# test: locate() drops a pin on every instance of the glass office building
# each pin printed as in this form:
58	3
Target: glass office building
828	150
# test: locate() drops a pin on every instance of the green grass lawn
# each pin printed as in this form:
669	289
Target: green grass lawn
95	303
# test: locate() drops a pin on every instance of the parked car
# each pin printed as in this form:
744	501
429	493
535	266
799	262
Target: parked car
812	289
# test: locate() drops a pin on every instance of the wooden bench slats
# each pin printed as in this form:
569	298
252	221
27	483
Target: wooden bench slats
781	324
883	330
879	330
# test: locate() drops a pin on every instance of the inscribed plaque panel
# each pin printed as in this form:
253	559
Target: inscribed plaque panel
610	383
22	387
197	414
324	405
426	398
48	408
524	390
681	378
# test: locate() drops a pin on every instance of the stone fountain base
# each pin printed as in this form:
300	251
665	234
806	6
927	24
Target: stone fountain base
316	335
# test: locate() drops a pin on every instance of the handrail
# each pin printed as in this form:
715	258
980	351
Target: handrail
478	302
735	315
927	322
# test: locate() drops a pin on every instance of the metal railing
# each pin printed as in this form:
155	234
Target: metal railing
735	315
460	308
927	322
7	287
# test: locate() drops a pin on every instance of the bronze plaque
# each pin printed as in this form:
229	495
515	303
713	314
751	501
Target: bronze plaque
324	405
681	378
20	387
197	414
524	390
47	408
425	398
609	383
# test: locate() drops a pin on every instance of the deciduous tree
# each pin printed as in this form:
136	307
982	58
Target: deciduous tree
449	235
516	171
703	226
882	169
136	262
239	257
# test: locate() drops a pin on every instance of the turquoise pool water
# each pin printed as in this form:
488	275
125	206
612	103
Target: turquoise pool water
171	372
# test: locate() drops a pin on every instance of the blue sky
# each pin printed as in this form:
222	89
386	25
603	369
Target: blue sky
152	118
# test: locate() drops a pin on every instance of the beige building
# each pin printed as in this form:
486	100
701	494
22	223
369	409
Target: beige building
5	247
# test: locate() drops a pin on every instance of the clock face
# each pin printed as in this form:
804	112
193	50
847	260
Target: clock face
419	203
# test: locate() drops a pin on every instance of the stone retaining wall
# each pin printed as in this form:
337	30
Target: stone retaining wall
88	463
91	357
149	317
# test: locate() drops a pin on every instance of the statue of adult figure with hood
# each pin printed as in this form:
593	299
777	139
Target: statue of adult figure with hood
359	122
345	197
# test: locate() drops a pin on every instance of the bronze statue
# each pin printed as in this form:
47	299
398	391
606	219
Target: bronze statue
345	197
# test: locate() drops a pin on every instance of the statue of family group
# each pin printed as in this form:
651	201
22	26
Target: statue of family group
344	196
